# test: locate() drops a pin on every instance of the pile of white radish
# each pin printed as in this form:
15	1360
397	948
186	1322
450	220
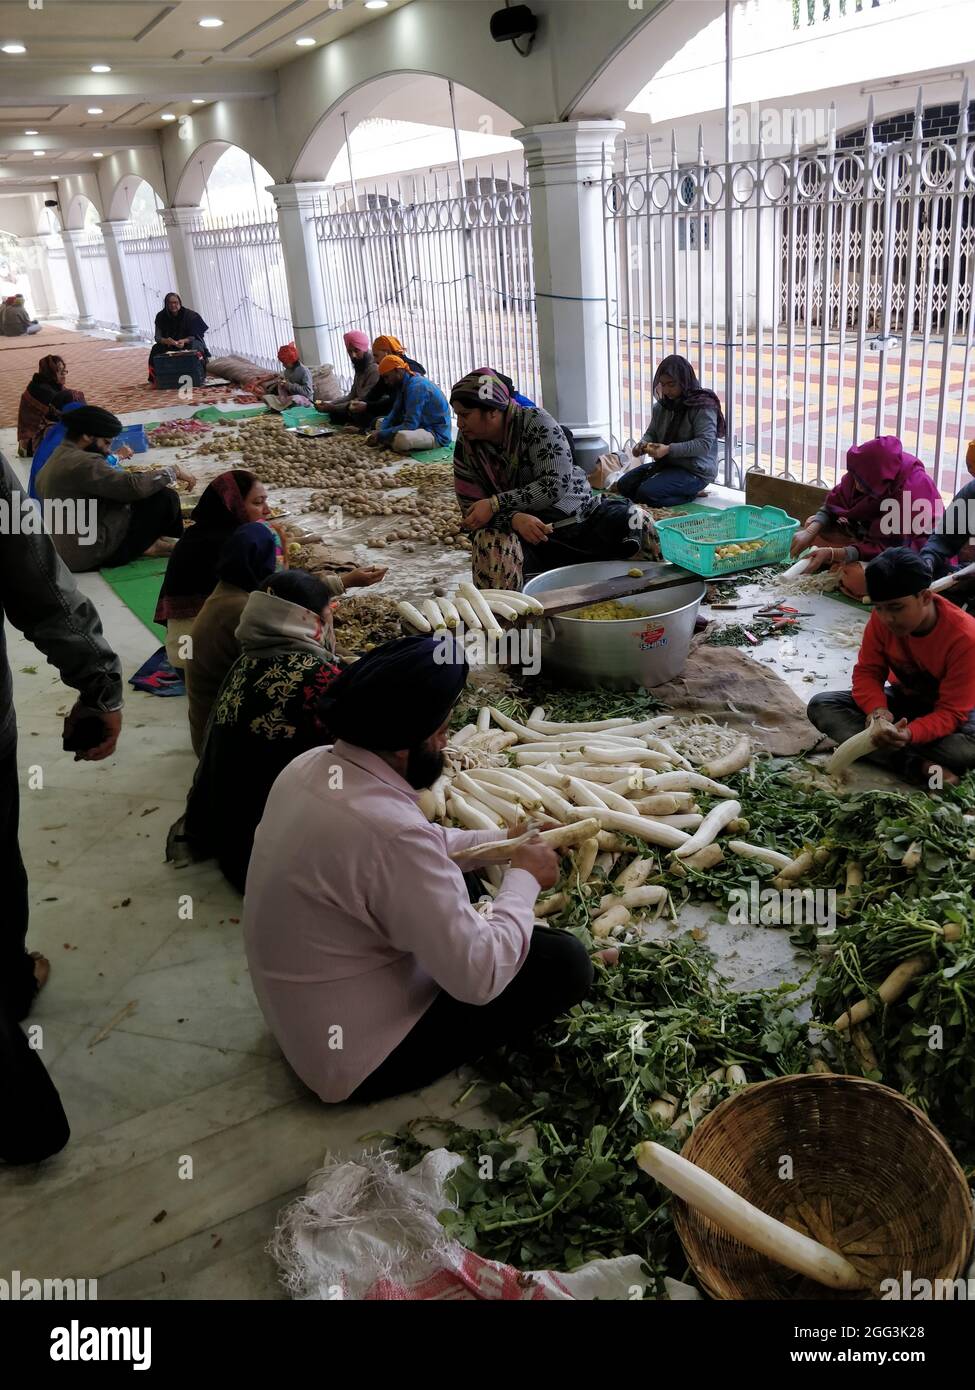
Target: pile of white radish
598	780
474	610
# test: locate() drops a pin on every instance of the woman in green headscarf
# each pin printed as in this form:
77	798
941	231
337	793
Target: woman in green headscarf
515	479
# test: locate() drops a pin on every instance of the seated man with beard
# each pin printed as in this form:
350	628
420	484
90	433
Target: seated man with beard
374	972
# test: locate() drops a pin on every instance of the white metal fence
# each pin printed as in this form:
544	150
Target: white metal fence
826	297
148	267
244	288
64	296
96	279
450	276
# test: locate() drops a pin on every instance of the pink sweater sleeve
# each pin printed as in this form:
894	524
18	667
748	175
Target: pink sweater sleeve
420	898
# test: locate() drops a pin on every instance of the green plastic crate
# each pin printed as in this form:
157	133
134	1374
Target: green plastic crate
691	540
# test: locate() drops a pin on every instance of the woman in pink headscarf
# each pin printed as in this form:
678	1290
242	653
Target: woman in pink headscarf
884	499
350	407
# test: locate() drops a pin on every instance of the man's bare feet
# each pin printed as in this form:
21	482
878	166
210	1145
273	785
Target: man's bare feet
42	968
160	549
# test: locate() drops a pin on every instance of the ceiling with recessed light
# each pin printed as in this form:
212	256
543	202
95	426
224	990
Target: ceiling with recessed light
162	60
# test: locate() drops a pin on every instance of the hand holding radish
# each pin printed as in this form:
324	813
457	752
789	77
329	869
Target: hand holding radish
538	859
887	734
803	538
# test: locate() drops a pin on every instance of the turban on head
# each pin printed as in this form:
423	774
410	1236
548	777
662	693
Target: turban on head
93	420
355	339
392	363
288	354
384	345
397	695
896	573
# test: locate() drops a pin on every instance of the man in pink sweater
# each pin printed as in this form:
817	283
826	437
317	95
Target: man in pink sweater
924	646
373	970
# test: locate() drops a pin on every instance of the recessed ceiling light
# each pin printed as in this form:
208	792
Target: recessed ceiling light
211	23
38	154
96	111
14	48
305	43
376	4
101	67
199	101
97	154
167	116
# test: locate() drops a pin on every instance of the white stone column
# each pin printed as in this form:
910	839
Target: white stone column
43	299
296	204
564	163
178	223
128	328
70	236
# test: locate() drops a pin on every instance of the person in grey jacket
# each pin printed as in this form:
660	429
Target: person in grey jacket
39	596
954	541
681	440
118	515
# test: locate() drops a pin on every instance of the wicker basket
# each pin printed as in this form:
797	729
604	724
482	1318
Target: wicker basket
871	1178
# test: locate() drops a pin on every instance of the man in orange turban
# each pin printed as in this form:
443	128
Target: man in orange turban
420	415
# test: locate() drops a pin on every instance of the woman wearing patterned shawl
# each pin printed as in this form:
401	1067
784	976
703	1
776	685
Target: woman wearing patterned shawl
514	478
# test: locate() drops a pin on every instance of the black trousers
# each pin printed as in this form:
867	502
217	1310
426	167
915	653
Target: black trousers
557	973
32	1120
150	518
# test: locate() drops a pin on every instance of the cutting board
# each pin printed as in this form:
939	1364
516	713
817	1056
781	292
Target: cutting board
555	601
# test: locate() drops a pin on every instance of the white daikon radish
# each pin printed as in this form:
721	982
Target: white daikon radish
537	714
856	747
511	815
739	1218
623	757
433	614
612	842
439	790
642	895
467	815
701	1099
462	736
797	869
413	616
527	601
450	615
616	916
592	726
498	851
734	760
735	1077
705	858
555	902
480	606
686	782
581	794
504	610
636	873
585	858
766	856
684	820
467	615
800	567
604	861
513	727
600	795
660	745
664	804
662	1110
526	792
484	720
888	991
557	805
427	802
652	831
710	828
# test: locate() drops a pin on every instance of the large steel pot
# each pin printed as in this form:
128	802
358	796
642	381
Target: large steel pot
646	651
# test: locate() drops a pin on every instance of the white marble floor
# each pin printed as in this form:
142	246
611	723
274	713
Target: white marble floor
188	1131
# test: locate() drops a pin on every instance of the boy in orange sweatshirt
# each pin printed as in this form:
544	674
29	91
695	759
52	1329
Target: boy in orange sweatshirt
914	677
